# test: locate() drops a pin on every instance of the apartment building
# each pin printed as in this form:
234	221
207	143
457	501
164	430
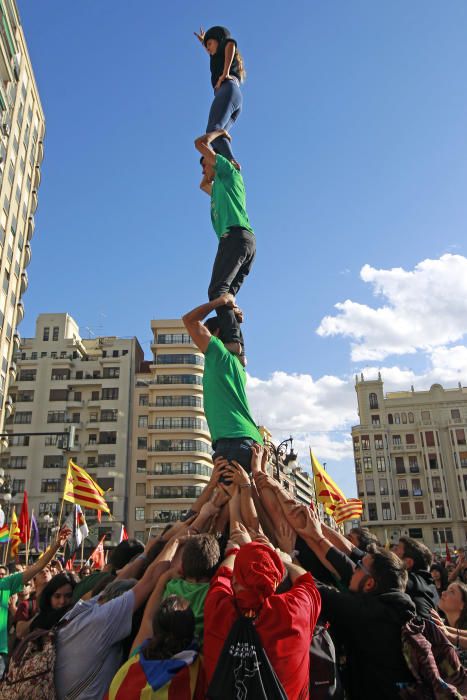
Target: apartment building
64	381
171	461
411	462
21	152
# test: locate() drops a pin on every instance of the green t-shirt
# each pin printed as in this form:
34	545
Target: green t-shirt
87	584
225	401
228	199
8	586
195	594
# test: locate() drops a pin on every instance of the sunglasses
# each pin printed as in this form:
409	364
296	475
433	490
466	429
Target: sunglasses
362	566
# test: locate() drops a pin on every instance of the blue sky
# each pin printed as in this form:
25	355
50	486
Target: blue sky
353	146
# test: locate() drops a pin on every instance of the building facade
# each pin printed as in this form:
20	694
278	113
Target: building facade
21	151
171	462
411	462
65	382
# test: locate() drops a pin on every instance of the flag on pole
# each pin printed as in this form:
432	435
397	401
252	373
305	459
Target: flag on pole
70	562
123	533
77	525
97	557
329	494
4	534
15	537
23	521
448	553
35	532
80	488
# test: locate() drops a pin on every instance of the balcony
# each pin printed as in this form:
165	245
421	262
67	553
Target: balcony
414	469
417	492
37	177
34	200
40	151
20	310
27	254
9	406
16	340
13	370
24	282
397	447
91	446
403	493
30	227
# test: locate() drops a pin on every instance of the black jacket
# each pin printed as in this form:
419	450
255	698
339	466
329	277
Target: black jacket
370	628
421	588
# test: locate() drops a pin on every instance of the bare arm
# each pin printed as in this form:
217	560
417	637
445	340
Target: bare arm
247	507
338	540
41	563
229	53
306	523
203	144
206	185
146	628
145	586
193	320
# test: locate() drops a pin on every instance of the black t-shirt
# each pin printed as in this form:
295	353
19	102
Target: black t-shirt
218	60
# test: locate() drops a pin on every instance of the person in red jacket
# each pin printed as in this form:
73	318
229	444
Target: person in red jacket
245	582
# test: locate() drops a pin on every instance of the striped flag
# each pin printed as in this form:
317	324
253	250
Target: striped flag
350	510
329	494
15	537
4	534
123	533
80	488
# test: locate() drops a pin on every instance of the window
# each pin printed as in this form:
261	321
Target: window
390	419
367	465
456	415
27	375
375	421
141	466
440	509
381	464
144	400
180	360
436	484
180	422
142	421
365	442
52	508
358	465
386	508
56	417
416	487
402	486
75	417
109	394
142	443
25	395
383	487
111	372
173	339
179	379
197	401
413	464
18	485
58	395
181	446
433	461
50	485
379	442
94	395
404	417
54	462
19	462
356	443
410	439
114	353
460	436
109	415
396	440
45	334
372	511
405	507
107	437
463	459
139	514
108	461
77	396
419	508
18	440
443	535
23	417
140	489
416	533
55	333
411	418
59	374
397	418
426	417
373	399
370	487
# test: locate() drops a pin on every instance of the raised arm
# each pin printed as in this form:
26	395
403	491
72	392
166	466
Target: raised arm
247	506
193	320
203	144
48	555
146	628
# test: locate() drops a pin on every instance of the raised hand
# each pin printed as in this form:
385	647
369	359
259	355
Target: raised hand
200	35
285	536
237	474
62	537
257	452
239	536
264	481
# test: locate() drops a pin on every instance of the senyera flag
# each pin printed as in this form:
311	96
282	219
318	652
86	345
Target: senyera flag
329	494
80	488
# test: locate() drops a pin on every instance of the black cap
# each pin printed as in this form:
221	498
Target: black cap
218	33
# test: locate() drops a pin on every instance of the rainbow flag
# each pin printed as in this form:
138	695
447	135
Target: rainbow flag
170	679
4	534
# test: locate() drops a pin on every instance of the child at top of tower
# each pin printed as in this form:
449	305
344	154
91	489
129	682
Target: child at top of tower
227	73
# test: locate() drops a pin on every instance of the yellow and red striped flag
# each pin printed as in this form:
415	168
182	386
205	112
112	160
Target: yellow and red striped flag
82	489
15	537
329	494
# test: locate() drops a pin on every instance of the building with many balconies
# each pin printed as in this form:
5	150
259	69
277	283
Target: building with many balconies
410	454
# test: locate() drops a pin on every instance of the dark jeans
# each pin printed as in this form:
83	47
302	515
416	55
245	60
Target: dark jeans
238	449
234	259
225	110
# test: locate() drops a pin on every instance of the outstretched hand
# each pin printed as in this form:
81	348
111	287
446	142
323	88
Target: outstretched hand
305	521
200	35
62	537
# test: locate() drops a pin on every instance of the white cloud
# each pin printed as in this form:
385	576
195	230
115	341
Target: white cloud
425	308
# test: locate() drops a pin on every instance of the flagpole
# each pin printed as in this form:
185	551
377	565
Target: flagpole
82	552
28	542
5	558
63	497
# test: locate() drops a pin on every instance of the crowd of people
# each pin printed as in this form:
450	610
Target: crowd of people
235	601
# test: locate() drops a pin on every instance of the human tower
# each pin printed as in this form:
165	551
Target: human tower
233	430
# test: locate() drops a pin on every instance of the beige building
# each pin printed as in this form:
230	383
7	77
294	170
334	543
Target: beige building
21	152
411	462
65	382
171	461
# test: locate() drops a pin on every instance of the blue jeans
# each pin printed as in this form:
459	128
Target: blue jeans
238	449
225	110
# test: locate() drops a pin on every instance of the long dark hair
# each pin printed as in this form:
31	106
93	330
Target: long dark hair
173	627
443	575
241	66
48	617
461	623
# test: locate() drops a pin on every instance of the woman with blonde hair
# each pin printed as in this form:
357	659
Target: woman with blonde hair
227	73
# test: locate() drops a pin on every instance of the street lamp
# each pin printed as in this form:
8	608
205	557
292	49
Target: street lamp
48	520
282	455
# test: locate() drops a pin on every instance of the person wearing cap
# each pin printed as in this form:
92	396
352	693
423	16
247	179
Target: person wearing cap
246	584
227	73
